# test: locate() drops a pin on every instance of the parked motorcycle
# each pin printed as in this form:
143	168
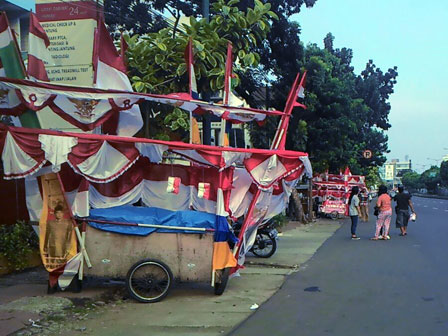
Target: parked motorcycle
265	243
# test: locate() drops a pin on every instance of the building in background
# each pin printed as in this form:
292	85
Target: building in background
393	170
18	13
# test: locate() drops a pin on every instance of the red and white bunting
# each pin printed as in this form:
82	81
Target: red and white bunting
88	108
125	170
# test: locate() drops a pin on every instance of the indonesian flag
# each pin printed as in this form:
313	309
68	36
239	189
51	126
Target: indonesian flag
228	96
193	91
297	91
173	185
301	92
38	54
189	61
110	73
204	190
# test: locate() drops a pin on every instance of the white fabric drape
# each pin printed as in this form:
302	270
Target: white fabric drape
56	149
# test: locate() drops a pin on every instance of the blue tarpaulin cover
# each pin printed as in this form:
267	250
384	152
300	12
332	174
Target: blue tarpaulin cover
146	215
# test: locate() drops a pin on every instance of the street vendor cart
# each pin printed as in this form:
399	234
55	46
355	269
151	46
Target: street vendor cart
146	210
334	191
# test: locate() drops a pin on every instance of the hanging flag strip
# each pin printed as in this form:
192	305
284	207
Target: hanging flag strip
87	108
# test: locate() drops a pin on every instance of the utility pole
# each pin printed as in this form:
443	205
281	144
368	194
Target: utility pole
205	94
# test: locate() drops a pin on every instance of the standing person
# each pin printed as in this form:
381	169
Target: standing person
364	205
404	202
354	211
385	214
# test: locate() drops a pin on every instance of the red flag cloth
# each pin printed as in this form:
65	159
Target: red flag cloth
189	61
228	75
110	73
38	53
296	91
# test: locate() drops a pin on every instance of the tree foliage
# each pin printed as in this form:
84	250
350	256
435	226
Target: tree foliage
444	173
412	181
347	113
431	178
141	16
157	63
373	178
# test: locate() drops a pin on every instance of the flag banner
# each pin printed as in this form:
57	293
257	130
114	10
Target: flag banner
9	56
189	61
88	108
257	211
204	190
63	276
38	53
57	237
110	73
12	66
222	255
173	185
104	158
125	170
297	91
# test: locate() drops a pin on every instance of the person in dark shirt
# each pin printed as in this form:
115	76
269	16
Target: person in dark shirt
403	201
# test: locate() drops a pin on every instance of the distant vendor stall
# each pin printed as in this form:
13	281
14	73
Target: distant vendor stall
331	192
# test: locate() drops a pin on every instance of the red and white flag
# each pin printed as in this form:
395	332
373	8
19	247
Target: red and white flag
38	53
173	185
189	61
204	190
297	91
110	73
228	75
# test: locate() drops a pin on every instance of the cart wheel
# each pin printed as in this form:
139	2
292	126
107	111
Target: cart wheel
334	215
149	281
222	276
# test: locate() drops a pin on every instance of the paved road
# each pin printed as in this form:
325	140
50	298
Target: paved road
396	287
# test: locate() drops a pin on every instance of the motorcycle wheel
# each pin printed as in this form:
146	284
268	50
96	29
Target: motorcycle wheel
264	246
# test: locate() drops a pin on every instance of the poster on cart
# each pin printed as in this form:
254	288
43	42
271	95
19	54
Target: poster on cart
57	237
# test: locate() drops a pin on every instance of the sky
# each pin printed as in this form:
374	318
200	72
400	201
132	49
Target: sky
409	34
25	4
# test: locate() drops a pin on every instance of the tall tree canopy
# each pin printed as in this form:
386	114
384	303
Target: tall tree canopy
347	113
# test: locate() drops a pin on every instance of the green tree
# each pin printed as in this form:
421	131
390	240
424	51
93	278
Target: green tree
444	173
339	123
141	16
157	65
373	177
431	178
412	181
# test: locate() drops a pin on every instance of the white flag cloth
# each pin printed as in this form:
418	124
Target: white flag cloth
110	73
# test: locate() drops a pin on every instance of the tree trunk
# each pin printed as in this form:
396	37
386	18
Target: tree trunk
299	215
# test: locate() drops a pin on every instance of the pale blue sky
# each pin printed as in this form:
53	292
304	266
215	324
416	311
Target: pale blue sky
411	34
25	4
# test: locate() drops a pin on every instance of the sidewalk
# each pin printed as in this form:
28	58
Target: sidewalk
188	309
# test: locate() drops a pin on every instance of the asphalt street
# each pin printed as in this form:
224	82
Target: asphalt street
364	287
